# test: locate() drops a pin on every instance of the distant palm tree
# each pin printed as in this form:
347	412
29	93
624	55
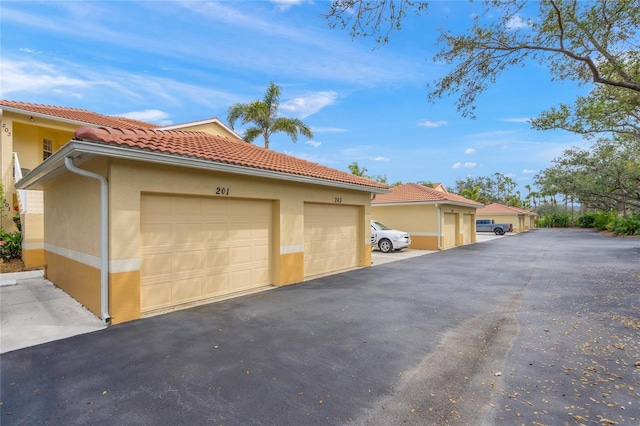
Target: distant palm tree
472	194
264	114
355	169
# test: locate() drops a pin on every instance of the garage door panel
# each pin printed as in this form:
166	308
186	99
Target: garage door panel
213	233
186	289
240	256
216	284
260	254
157	295
186	261
186	233
214	207
216	258
155	264
260	276
216	247
155	234
151	207
186	207
240	279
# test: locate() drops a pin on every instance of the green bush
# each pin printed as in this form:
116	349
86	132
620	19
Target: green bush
629	225
586	220
10	244
555	220
602	220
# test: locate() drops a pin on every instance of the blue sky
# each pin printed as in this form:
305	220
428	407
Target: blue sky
171	62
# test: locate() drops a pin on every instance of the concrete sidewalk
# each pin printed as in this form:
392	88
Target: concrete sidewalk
34	311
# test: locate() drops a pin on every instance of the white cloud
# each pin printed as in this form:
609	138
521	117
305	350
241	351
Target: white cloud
383	159
314	144
517	120
469	151
149	115
427	123
305	106
467	165
286	4
34	76
328	130
528	171
517	22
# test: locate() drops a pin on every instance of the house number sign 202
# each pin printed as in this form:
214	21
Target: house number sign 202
222	191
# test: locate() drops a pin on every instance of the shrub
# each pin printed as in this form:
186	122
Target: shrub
555	220
629	225
586	220
10	244
602	220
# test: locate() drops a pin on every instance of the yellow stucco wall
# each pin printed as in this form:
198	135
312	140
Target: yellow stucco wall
421	222
210	128
72	224
25	138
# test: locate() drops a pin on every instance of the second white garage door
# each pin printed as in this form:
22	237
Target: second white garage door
330	238
196	248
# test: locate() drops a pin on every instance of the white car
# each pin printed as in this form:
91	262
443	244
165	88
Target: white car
387	239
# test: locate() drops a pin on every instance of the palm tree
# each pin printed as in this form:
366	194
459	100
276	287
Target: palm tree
264	114
472	194
355	169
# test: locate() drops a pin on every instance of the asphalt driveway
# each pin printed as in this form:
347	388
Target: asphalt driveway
540	327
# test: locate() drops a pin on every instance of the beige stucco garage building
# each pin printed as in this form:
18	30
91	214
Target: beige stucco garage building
436	220
522	220
143	221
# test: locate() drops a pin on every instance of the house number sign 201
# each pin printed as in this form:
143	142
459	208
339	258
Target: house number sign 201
222	191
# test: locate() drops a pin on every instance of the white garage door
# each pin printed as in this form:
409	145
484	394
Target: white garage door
449	230
193	249
330	238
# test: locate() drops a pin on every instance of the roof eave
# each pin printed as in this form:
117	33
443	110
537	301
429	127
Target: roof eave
414	203
47	116
51	167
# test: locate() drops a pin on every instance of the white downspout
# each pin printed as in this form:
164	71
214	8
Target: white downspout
439	227
104	236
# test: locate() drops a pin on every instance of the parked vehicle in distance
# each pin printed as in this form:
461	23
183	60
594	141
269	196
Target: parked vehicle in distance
488	225
387	239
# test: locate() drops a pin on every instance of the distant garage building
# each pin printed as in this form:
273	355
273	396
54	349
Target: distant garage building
435	219
191	217
521	219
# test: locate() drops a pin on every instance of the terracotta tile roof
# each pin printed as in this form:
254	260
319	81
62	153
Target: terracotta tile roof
416	193
75	114
217	149
497	208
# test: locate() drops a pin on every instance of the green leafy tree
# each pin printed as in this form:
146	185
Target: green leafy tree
584	41
605	177
355	169
264	116
489	189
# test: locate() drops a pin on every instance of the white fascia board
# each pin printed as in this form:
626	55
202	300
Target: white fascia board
48	117
76	148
